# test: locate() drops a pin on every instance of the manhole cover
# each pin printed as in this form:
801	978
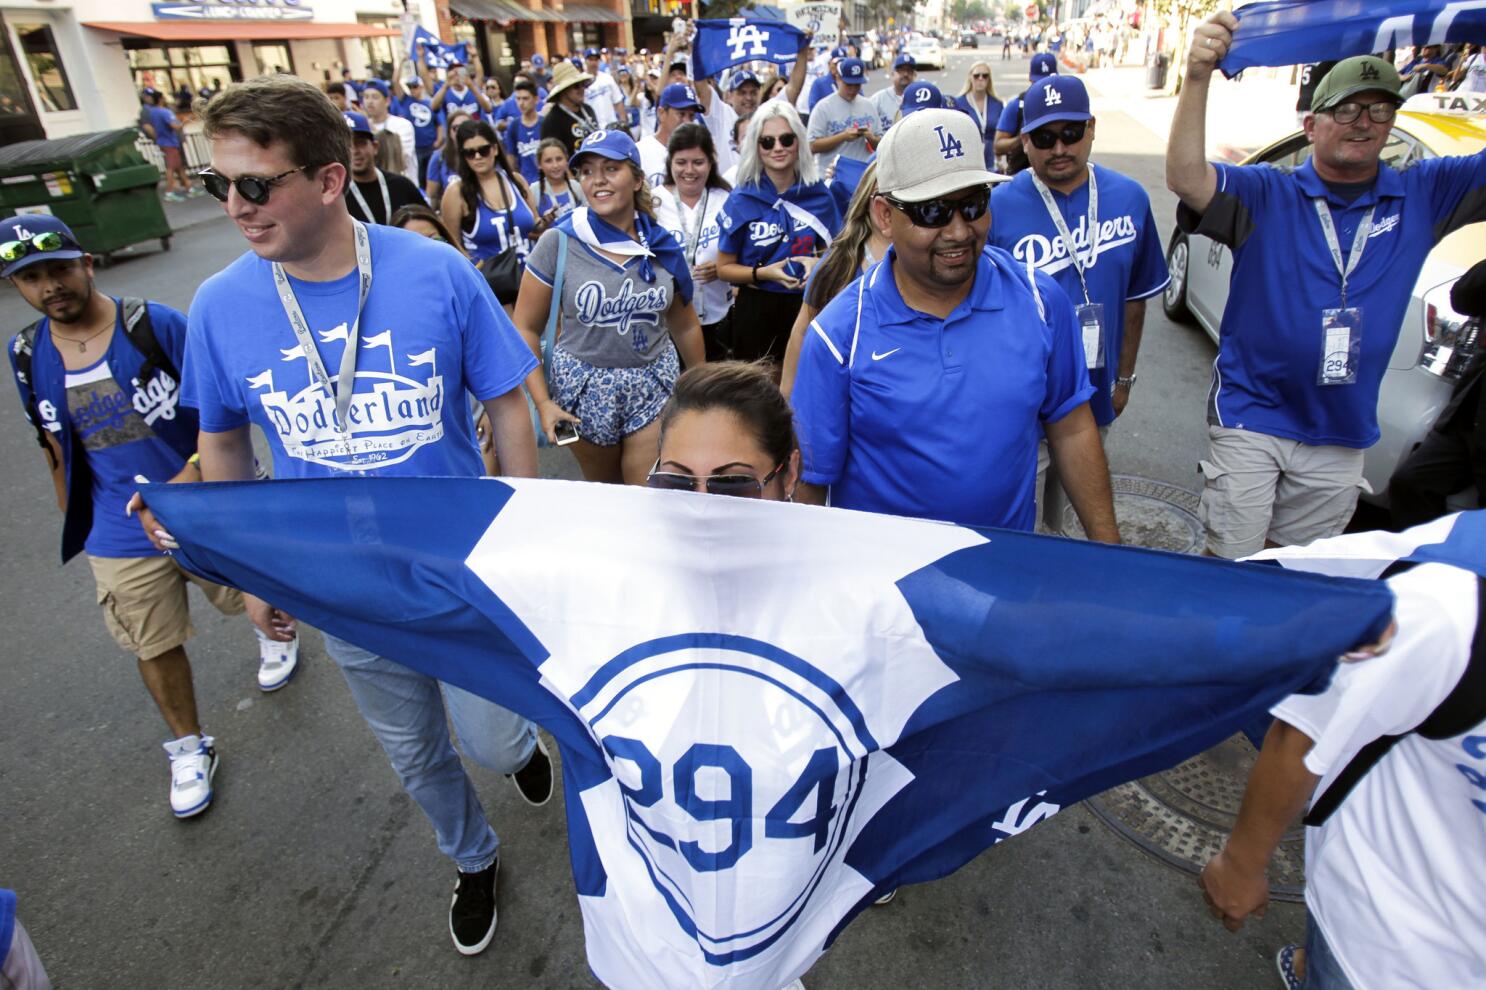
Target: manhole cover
1183	815
1151	514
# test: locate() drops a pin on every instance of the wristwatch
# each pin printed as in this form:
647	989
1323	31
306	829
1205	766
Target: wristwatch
1127	382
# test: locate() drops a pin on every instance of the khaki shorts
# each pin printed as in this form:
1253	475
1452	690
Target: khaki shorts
144	602
1260	487
1052	500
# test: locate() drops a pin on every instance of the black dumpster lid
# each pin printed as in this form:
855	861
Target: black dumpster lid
62	149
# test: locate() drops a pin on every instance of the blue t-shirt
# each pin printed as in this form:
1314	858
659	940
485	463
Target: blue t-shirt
910	415
425	341
821	88
1270	345
525	140
437	170
421	115
564	202
1129	263
469	103
757	233
1010	114
165	136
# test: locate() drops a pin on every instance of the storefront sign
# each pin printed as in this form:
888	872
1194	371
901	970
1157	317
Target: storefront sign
235	10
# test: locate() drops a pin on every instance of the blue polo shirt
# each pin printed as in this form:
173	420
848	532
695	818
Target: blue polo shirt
906	414
1129	263
1269	350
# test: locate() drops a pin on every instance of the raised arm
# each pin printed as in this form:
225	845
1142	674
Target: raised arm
1188	172
797	74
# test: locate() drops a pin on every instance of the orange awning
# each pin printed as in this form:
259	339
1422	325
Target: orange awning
244	30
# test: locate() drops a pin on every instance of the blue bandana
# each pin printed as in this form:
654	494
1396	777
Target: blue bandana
654	242
812	205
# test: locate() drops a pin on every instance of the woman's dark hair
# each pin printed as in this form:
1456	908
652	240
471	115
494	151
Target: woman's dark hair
469	182
745	389
417	211
685	138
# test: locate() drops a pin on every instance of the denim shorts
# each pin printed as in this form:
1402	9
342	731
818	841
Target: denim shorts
612	403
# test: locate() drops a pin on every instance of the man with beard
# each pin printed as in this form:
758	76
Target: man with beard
922	386
374	195
889	99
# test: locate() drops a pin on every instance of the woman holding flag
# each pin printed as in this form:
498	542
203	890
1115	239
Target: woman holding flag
777	221
623	290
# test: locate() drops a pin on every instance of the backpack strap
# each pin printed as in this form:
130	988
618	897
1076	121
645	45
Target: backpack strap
23	349
1462	708
141	334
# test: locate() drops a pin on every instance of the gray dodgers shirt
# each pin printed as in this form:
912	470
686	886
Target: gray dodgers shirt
611	316
832	115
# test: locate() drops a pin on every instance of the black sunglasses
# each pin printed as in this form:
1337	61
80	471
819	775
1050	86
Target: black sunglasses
1350	113
980	75
740	485
255	189
476	150
1070	133
785	141
934	213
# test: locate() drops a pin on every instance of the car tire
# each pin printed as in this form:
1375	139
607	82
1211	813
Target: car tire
1174	298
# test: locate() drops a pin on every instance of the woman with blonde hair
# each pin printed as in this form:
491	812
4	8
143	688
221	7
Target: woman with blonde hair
978	99
776	222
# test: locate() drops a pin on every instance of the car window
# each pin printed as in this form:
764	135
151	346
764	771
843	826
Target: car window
1291	153
1402	151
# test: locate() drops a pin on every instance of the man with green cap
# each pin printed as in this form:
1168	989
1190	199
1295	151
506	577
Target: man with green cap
1324	260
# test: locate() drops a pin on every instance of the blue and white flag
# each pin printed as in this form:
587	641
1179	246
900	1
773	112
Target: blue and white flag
771	714
436	54
721	43
1297	32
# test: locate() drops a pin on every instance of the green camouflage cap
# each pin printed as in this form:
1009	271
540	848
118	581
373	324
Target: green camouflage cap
1358	74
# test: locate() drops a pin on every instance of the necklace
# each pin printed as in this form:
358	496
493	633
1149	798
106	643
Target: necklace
82	345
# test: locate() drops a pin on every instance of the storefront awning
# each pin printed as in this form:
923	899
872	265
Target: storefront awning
241	30
586	14
504	11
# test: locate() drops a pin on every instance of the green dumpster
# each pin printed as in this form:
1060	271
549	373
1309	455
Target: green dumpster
98	184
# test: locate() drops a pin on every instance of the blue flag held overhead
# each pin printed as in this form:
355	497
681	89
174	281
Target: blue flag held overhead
721	43
1296	32
436	54
772	714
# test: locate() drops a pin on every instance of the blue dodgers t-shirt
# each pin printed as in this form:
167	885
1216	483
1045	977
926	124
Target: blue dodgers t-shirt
1269	351
1127	264
905	414
757	232
425	341
525	140
466	101
423	117
165	136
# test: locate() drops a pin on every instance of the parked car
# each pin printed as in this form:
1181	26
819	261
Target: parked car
927	52
1431	352
969	39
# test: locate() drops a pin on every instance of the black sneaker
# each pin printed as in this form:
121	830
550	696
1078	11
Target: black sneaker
472	912
534	780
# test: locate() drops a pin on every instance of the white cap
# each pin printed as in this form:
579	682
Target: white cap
930	153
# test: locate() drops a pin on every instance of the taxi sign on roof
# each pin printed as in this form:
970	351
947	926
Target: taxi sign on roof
1455	104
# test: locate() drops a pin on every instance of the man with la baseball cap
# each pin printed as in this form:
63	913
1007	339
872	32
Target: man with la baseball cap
922	385
99	380
825	83
890	98
677	105
373	195
1324	260
1047	216
844	123
603	95
1008	142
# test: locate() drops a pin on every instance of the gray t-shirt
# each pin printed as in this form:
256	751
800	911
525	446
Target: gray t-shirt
887	102
611	316
833	115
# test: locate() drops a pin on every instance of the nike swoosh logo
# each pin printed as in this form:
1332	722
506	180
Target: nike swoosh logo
879	357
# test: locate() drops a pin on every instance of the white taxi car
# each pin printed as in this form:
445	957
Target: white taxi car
927	52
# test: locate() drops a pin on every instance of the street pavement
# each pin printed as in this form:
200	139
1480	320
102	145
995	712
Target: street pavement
313	868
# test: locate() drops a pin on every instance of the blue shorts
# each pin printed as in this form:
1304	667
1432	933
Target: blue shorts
612	403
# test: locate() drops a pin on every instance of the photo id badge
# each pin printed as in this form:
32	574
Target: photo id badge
1341	346
1091	325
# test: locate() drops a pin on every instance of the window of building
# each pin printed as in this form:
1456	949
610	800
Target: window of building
581	36
40	51
17	117
181	72
381	57
273	59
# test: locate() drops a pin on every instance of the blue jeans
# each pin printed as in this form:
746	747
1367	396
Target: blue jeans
405	711
1322	971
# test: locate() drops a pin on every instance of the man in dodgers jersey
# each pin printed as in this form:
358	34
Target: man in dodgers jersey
1091	229
1324	258
921	386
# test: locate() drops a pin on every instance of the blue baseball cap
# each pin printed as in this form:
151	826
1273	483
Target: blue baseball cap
838	52
27	227
590	53
741	78
608	144
1054	99
853	71
680	96
537	61
904	61
921	96
358	123
1043	65
377	85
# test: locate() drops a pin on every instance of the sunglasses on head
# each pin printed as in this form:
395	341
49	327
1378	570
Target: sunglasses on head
255	189
933	213
476	150
785	141
1070	133
16	250
739	485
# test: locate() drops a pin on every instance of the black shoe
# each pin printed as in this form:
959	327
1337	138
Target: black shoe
534	780
472	912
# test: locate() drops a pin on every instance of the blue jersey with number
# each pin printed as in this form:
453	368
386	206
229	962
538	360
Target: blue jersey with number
423	117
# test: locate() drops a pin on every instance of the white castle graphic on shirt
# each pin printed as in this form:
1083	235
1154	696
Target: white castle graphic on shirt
1049	255
388	422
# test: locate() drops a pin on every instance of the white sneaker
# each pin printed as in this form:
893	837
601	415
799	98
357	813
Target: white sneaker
277	662
193	763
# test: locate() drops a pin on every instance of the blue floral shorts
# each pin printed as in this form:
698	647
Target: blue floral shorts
612	403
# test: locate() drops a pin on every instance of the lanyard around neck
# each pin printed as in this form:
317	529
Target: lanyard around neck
695	237
361	200
1359	243
1091	227
345	383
